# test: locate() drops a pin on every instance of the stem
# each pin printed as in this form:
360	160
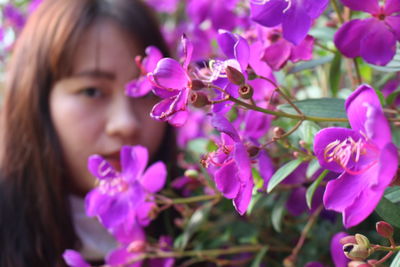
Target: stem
187	200
279	113
387	256
357	69
324	47
337	10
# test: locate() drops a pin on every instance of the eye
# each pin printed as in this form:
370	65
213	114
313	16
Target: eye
91	92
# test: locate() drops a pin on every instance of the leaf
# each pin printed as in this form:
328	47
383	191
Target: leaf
396	260
389	212
319	107
257	260
312	167
392	97
278	212
197	219
307	131
311	64
311	189
282	173
393	194
334	74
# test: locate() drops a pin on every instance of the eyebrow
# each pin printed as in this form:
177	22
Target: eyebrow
96	74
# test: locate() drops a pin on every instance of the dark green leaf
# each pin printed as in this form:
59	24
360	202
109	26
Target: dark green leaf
311	189
392	97
257	260
312	167
307	131
389	212
334	74
320	107
393	194
311	64
282	173
277	212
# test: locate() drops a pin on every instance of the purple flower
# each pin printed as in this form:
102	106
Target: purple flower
295	16
337	254
74	259
232	176
142	86
173	84
119	198
14	16
364	155
390	87
374	39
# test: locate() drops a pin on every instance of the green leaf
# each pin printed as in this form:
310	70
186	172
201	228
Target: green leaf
278	211
396	260
393	194
197	219
311	189
319	107
381	97
334	74
282	173
312	167
389	212
311	64
257	260
392	97
307	131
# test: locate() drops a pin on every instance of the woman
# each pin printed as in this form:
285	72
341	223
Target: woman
64	101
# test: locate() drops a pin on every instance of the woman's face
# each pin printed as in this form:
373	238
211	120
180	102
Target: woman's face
89	109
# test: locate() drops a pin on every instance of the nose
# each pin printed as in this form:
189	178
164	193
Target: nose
123	122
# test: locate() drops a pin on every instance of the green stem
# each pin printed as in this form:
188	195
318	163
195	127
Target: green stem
188	199
337	10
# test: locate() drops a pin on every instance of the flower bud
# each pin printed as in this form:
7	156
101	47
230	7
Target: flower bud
199	99
253	151
246	91
356	252
197	85
234	76
136	246
362	240
350	239
191	173
278	132
358	264
384	229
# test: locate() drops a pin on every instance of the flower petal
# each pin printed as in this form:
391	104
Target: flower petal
315	8
277	54
366	115
337	254
96	202
347	38
392	6
153	56
304	50
169	74
296	24
243	163
265	166
325	137
242	200
226	180
154	178
139	87
133	161
369	6
269	14
74	259
100	168
221	124
394	23
379	44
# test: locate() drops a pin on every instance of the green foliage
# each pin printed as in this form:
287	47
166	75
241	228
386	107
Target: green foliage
322	107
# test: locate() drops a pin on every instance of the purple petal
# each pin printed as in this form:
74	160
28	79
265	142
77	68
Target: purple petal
325	137
257	124
369	6
153	180
394	23
296	203
139	87
269	14
337	254
169	74
314	264
379	44
304	50
74	259
296	24
234	47
121	256
242	200
277	54
392	6
265	166
347	38
143	211
187	51
242	160
153	56
116	212
366	115
96	202
100	168
221	124
315	8
179	118
226	180
133	161
259	66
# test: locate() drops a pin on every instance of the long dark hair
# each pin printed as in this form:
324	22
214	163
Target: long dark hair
35	220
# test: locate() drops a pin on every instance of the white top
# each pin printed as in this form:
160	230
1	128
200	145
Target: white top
96	241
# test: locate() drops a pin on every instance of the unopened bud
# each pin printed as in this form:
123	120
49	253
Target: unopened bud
288	262
356	252
278	132
362	240
296	154
350	239
358	264
191	173
136	246
234	76
197	85
199	99
253	151
384	229
302	143
246	91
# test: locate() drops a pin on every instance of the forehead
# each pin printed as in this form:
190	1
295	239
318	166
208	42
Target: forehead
106	47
